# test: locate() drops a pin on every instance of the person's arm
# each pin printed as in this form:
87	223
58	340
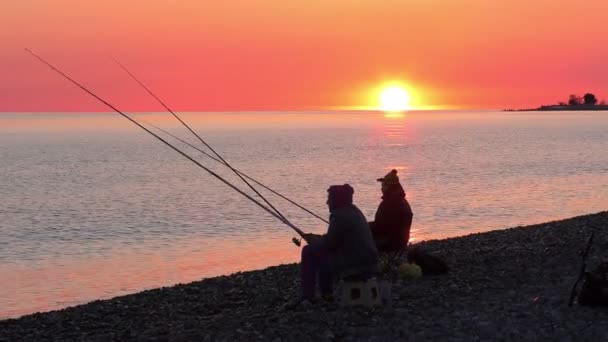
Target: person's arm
380	220
335	232
312	238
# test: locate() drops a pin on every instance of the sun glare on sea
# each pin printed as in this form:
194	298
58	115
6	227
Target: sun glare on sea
394	98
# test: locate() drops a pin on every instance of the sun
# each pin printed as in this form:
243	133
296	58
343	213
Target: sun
394	98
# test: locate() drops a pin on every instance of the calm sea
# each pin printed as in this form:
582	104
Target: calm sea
92	207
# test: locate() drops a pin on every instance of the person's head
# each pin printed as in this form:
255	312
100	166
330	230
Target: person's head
339	196
390	184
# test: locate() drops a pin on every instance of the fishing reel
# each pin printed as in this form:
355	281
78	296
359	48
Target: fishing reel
296	241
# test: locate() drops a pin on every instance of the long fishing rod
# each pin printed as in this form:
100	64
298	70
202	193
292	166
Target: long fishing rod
243	174
199	138
298	230
583	269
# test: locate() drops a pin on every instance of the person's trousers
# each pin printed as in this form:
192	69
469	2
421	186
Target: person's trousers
315	262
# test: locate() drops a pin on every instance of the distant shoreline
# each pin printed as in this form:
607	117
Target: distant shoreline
551	108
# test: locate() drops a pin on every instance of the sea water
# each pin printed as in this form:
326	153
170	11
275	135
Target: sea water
93	207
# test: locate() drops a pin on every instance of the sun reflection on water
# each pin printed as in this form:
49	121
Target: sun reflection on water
394	115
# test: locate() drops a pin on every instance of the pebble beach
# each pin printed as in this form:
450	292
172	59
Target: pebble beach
510	284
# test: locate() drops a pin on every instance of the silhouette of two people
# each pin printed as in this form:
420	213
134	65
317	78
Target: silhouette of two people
351	244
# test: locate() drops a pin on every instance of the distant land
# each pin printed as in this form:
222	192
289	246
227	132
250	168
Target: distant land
575	102
560	107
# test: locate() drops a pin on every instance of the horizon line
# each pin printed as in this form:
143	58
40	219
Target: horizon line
320	111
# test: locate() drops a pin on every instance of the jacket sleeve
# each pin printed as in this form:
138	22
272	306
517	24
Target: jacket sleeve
380	220
335	232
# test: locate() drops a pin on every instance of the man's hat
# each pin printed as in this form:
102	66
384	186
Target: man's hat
390	178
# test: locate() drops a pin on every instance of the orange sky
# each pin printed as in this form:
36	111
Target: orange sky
299	55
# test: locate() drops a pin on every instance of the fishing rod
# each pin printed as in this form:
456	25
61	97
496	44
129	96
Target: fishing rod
199	138
292	226
243	174
584	254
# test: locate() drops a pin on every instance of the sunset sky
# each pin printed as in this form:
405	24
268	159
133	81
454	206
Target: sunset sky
203	55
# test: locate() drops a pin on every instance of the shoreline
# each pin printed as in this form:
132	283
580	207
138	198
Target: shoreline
503	284
558	108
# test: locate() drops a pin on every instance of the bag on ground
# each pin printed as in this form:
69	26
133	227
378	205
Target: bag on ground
430	264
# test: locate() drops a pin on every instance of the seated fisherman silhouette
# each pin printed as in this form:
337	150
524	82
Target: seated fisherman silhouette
346	248
393	220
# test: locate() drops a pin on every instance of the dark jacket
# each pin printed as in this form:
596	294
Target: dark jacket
393	221
349	241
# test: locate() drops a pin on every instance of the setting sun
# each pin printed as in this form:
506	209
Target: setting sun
394	98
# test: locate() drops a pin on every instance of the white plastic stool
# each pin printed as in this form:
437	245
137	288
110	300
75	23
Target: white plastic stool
365	293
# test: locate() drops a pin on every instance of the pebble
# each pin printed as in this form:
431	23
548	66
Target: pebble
503	285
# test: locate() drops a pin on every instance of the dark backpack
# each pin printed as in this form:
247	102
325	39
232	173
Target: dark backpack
430	264
594	290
